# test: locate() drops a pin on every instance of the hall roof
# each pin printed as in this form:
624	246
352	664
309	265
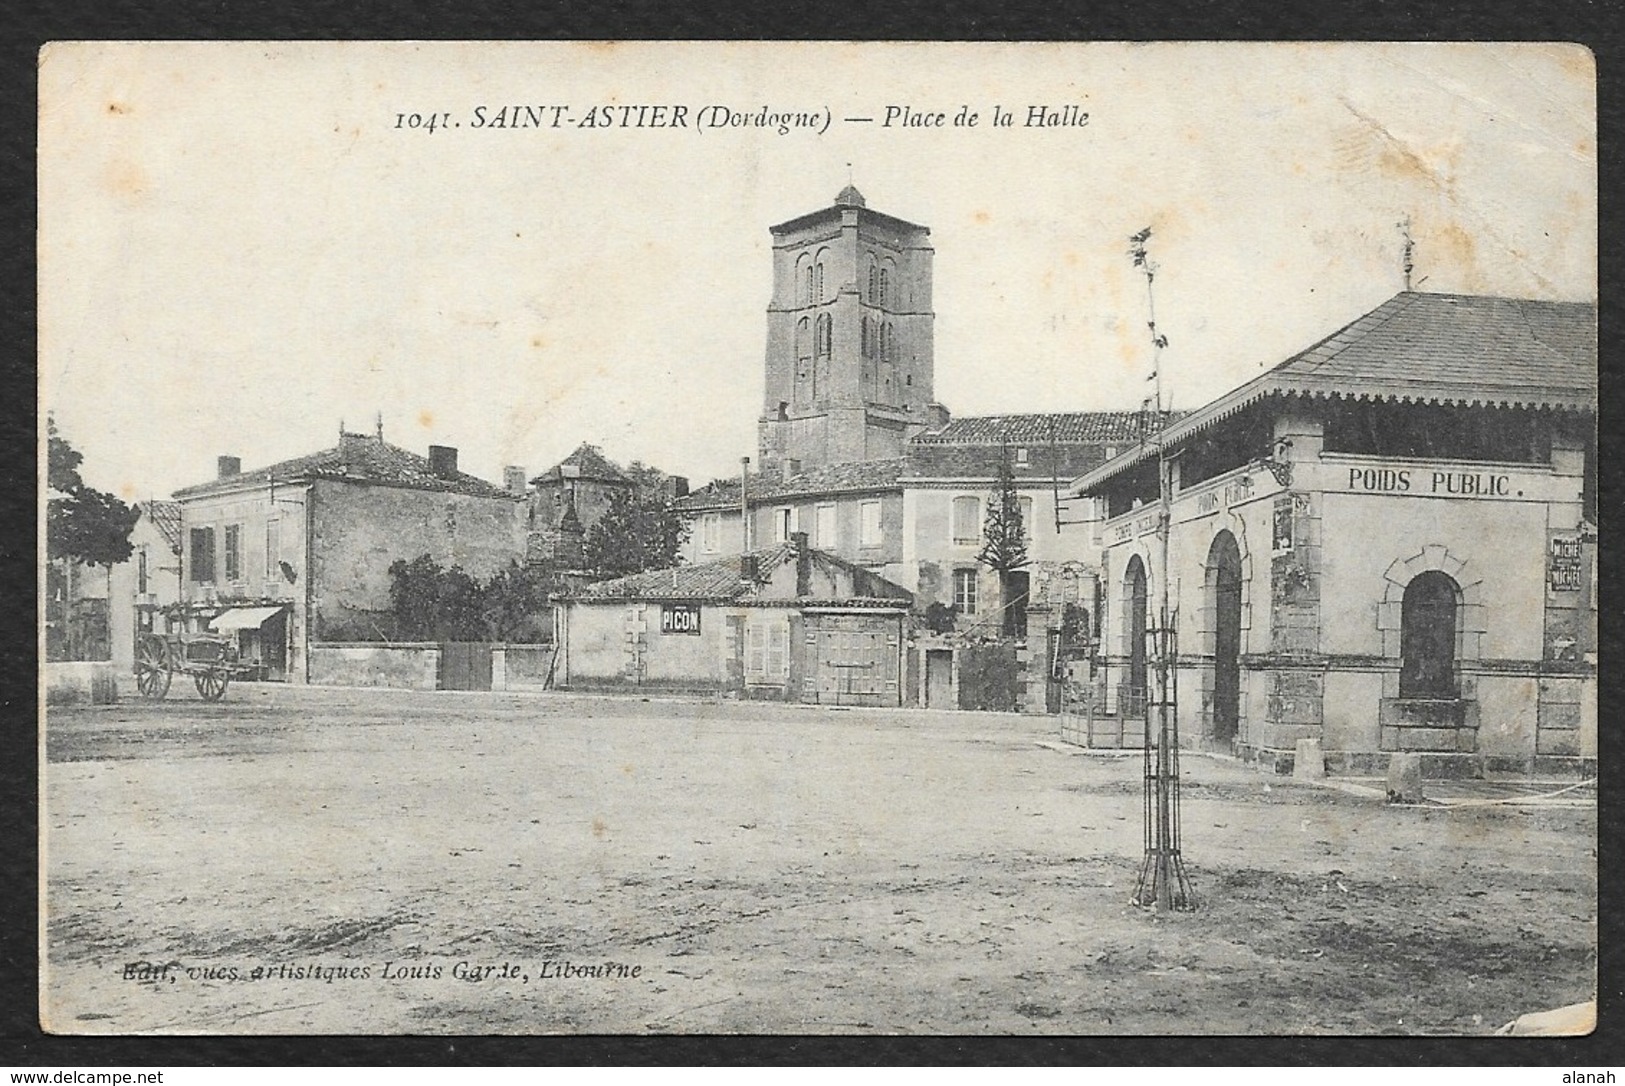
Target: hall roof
1448	349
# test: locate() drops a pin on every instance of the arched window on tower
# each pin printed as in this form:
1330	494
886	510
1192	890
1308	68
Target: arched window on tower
807	285
818	282
863	336
825	335
803	353
885	285
874	281
1427	637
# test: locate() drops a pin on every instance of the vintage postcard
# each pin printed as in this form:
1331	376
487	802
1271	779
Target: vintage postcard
818	538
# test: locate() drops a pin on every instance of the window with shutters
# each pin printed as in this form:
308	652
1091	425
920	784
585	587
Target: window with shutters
767	650
869	520
234	553
826	536
202	555
141	571
782	524
273	548
967	520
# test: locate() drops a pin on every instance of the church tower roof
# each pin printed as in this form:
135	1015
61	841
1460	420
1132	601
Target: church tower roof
850	197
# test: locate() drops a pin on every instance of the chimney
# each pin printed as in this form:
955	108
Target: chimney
227	466
790	468
513	479
678	485
443	460
798	541
748	570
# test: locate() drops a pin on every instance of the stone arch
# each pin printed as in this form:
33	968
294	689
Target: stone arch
1434	558
1136	597
1237	528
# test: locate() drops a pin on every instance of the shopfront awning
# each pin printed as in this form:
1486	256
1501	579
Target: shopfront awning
244	618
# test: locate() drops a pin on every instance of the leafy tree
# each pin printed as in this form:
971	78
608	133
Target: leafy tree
1004	537
516	604
430	602
82	524
433	603
638	531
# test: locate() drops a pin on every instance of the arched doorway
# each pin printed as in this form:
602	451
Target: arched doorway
1427	637
1224	597
1134	598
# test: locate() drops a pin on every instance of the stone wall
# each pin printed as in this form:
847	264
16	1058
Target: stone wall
411	666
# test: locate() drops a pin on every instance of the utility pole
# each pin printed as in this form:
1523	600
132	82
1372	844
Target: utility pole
1162	882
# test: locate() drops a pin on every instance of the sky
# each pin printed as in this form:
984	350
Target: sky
242	245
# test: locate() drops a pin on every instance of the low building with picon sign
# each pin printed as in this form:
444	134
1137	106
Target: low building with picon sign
1386	544
786	623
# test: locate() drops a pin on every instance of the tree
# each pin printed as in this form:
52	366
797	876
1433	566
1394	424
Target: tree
430	602
433	603
516	604
638	531
1004	537
82	524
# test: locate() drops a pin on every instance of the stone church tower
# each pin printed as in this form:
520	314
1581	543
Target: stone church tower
849	338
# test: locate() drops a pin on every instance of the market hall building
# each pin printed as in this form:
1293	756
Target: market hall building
1386	543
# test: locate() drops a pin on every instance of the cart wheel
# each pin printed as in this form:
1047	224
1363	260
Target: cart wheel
211	685
151	668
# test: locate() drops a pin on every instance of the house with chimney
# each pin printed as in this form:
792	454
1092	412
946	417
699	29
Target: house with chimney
289	556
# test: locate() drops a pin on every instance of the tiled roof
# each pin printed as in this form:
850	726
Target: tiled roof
857	477
1453	349
166	517
971	448
358	458
1075	427
587	462
722	580
718	580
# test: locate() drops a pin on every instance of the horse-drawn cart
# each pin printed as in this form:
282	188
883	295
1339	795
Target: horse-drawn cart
209	658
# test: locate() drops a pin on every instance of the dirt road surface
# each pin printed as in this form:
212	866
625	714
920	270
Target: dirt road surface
302	860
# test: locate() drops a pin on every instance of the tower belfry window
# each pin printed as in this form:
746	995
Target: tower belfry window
885	284
818	282
807	297
825	335
874	282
